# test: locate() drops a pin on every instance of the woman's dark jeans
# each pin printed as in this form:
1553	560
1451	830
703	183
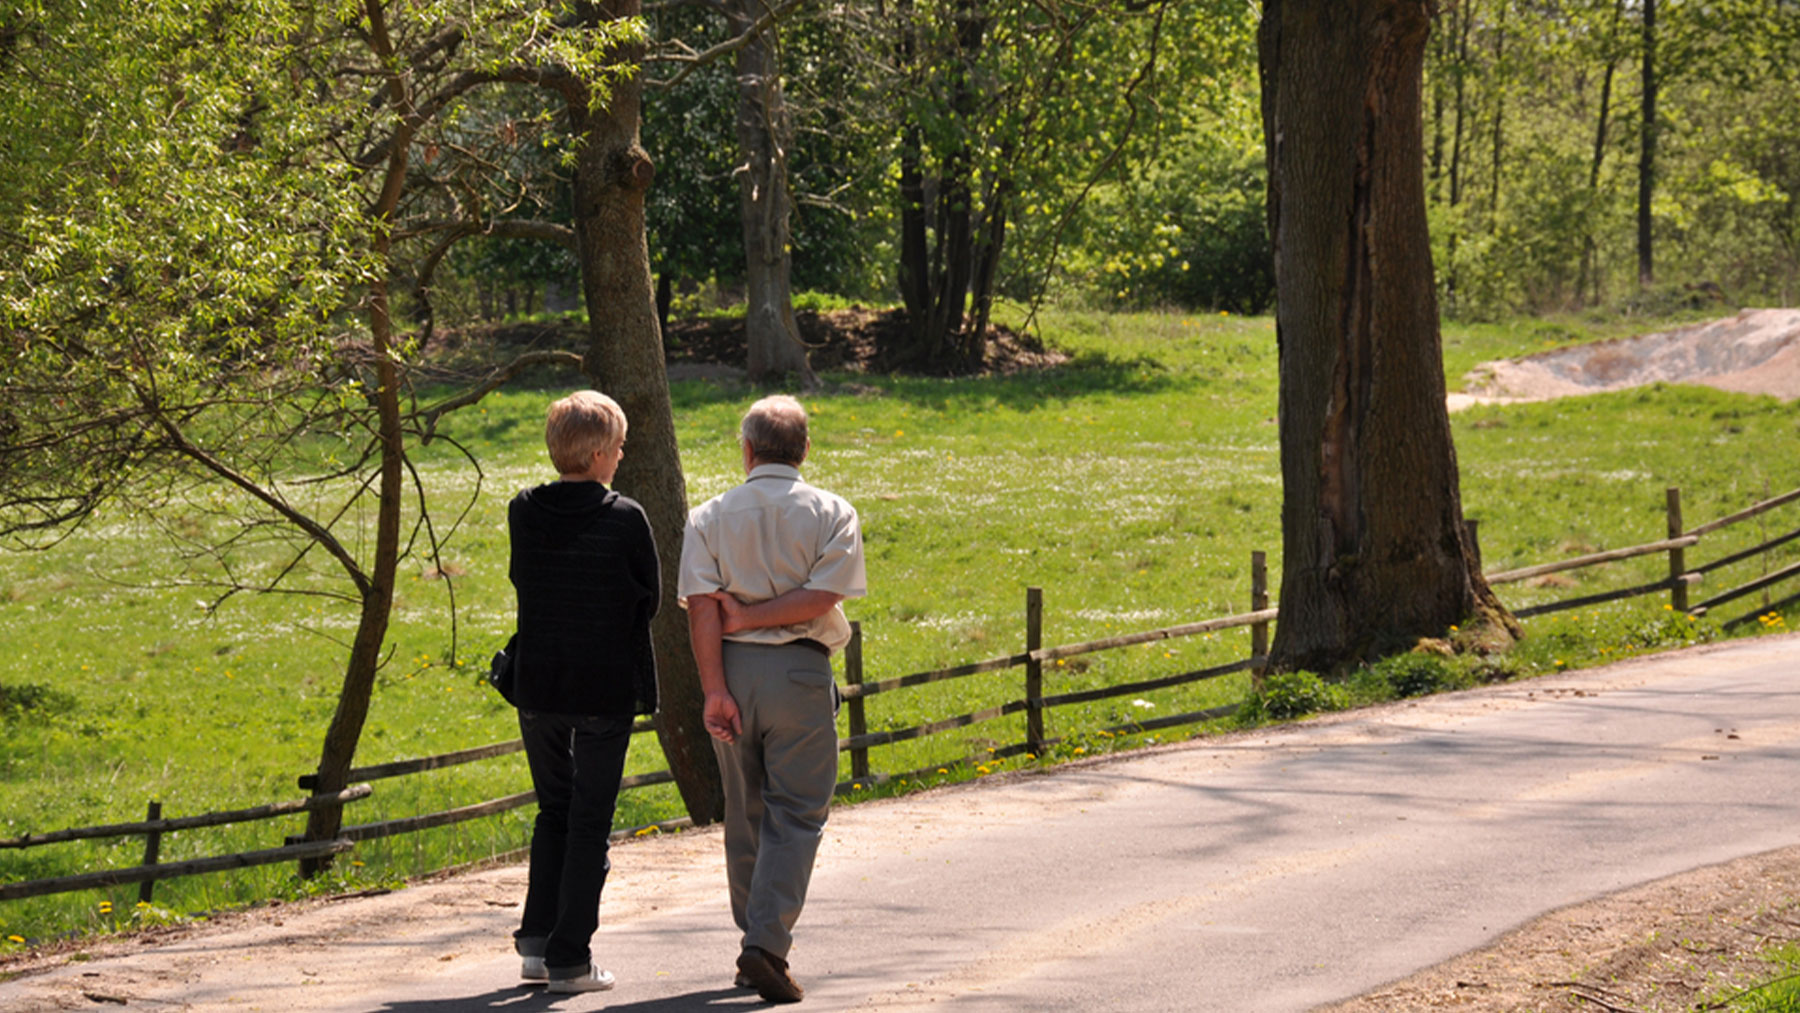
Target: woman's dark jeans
576	764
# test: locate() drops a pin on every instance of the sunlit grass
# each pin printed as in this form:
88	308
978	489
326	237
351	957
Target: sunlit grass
1131	485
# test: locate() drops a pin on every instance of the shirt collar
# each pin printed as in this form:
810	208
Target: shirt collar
786	471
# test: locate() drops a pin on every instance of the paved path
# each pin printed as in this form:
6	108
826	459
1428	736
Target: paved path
1270	871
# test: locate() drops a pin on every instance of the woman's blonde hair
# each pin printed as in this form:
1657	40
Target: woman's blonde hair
579	425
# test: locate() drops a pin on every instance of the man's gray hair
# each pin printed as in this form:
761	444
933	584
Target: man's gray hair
775	430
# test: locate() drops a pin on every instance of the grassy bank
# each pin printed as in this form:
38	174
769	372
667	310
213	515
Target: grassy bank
1131	484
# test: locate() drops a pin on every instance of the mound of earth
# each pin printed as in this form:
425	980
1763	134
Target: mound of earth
856	339
1755	352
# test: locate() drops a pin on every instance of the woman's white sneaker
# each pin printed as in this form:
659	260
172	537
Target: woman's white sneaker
595	980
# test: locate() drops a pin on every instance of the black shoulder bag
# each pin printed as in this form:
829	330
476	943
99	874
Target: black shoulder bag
503	670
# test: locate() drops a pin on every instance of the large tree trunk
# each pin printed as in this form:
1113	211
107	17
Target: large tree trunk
625	359
766	205
1375	554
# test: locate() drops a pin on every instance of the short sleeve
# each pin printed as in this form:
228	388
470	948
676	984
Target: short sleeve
699	565
840	568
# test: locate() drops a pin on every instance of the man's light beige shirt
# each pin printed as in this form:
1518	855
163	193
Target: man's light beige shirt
768	536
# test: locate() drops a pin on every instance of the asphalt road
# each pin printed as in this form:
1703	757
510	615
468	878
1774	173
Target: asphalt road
1269	871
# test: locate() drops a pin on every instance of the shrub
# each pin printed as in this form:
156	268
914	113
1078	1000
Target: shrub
1288	695
32	702
1367	686
1419	673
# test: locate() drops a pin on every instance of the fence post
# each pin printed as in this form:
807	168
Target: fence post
1034	671
859	722
1678	596
152	851
1259	600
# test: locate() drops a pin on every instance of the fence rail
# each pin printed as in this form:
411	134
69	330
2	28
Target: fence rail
163	826
152	870
1593	559
1035	704
148	873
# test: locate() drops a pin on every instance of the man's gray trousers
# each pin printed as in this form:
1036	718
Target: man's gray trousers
778	777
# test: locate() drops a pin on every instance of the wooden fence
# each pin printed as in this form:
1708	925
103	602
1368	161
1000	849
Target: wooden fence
1033	703
153	826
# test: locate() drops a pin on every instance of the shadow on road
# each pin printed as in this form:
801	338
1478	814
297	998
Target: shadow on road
527	1000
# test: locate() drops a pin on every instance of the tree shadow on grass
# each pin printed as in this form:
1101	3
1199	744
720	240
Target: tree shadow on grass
1025	390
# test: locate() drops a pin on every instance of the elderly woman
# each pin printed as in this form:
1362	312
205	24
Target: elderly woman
584	568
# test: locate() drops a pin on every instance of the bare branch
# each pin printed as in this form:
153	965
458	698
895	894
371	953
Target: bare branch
553	78
690	64
491	383
313	529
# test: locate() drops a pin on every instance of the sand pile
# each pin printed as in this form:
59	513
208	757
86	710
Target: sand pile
1755	352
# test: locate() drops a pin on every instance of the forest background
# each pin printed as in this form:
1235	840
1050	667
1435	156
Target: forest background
235	217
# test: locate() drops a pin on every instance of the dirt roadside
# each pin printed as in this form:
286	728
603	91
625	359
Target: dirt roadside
1672	945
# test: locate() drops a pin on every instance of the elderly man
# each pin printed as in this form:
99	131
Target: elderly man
764	567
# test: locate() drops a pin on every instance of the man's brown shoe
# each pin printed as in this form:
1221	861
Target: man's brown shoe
768	974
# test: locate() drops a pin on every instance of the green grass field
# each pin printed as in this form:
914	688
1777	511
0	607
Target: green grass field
1131	485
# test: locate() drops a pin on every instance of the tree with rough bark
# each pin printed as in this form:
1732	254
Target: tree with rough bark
1375	553
764	134
609	175
624	357
204	301
766	200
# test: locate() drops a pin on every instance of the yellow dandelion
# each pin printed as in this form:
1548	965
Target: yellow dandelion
981	770
15	939
856	786
942	771
1080	749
